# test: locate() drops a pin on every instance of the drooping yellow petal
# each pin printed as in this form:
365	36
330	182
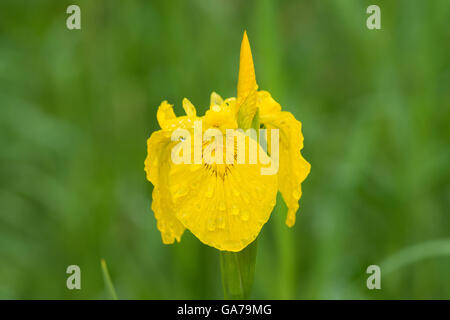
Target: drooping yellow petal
158	164
246	80
293	168
157	167
224	205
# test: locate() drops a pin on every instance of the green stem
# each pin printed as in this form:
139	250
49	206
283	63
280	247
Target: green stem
238	270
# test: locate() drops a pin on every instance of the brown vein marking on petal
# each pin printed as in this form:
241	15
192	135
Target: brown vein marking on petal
217	169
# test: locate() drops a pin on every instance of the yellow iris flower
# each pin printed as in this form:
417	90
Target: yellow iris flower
225	205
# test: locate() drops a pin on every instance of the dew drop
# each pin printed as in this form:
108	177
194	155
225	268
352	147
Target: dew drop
183	214
222	206
296	194
235	211
221	223
273	202
244	216
210	191
181	192
194	185
290	220
211	224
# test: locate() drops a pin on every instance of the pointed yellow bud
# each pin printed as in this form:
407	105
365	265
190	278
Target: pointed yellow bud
247	80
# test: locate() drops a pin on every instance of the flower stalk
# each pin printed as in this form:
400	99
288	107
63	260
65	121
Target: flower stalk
238	270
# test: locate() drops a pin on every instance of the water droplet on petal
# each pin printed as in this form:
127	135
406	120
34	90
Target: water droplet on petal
235	211
296	194
290	220
245	215
273	202
221	223
182	191
222	206
194	185
183	214
211	224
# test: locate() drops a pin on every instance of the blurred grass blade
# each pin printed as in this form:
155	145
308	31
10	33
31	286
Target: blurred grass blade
416	253
238	270
108	281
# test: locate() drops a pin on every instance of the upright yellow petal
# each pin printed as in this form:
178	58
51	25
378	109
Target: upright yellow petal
247	110
247	80
169	121
165	115
216	99
189	108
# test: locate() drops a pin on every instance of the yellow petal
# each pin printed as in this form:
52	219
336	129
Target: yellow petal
266	103
216	99
223	205
247	80
189	108
230	103
293	167
220	116
165	115
157	167
169	121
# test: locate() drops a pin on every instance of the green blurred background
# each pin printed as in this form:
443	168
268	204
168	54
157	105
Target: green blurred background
76	108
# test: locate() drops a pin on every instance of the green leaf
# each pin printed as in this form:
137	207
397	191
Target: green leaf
238	270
